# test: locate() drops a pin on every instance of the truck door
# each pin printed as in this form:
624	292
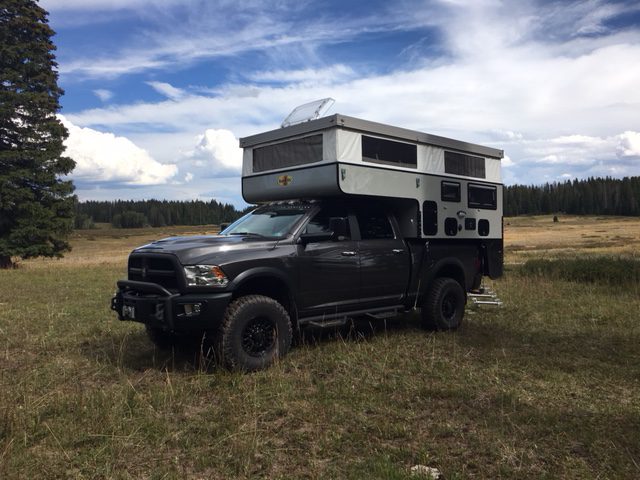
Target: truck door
328	269
385	263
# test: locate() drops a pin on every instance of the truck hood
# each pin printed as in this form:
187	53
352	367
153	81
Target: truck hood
207	249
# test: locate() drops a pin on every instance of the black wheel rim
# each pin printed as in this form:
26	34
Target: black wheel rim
259	336
449	306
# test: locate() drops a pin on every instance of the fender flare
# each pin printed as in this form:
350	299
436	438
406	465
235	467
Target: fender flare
451	266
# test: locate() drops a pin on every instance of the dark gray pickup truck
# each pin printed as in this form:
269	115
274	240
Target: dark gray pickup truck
290	264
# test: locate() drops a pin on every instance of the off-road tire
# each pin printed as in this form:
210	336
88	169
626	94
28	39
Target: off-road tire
255	331
443	307
160	338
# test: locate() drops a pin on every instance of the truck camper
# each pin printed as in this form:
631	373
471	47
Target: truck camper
354	218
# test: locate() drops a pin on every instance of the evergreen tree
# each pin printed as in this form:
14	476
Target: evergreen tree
36	206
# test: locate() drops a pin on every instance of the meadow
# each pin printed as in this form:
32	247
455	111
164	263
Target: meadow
545	387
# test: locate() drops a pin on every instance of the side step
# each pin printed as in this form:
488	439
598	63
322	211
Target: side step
484	296
340	319
338	322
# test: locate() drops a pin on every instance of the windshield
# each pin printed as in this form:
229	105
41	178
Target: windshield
268	221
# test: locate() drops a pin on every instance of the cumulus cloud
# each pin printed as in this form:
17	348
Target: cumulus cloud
218	152
629	145
507	162
106	158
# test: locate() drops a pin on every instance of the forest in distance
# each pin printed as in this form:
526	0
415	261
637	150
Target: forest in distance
593	196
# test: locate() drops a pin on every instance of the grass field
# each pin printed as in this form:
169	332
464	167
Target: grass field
546	387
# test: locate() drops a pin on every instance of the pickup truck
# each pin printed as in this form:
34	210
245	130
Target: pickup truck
290	264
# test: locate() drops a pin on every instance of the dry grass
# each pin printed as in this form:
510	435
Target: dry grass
538	236
546	387
103	245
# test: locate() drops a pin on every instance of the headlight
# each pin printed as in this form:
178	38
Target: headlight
205	276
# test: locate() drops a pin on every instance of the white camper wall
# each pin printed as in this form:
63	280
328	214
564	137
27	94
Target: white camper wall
347	146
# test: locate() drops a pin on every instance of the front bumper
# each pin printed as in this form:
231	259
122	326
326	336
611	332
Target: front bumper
154	305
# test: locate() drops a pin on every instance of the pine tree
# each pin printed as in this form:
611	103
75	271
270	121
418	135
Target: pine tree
36	205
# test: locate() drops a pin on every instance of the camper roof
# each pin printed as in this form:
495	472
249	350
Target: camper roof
356	124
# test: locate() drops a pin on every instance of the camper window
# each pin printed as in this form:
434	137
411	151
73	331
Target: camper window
387	152
299	151
450	191
482	196
461	164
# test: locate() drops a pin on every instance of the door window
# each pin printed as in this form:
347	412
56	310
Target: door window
320	221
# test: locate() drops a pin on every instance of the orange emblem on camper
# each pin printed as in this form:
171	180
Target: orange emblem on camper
284	180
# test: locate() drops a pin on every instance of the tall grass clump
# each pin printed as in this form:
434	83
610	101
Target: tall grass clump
602	269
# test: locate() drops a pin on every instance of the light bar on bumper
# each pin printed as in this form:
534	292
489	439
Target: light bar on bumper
205	276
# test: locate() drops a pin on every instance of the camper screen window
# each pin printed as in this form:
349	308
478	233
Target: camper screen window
288	154
482	196
386	152
461	164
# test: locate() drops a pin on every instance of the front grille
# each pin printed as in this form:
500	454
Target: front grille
154	269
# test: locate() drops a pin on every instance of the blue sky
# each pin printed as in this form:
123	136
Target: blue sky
158	92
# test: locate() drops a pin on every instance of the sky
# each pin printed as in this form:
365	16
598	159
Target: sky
158	92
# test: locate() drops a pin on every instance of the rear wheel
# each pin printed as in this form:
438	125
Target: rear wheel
443	307
255	331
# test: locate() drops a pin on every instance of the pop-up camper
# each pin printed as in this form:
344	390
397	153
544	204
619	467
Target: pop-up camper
443	188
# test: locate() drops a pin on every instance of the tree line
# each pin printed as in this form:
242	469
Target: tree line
154	213
593	196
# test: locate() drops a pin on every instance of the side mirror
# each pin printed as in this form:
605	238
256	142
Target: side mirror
338	227
314	237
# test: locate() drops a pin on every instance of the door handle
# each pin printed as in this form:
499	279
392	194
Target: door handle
397	251
348	254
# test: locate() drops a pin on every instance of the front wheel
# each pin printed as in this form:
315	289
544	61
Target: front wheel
443	307
255	331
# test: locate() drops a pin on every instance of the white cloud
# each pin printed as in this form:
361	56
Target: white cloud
629	145
103	94
549	84
507	162
105	158
180	33
167	90
100	5
332	74
218	152
188	177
